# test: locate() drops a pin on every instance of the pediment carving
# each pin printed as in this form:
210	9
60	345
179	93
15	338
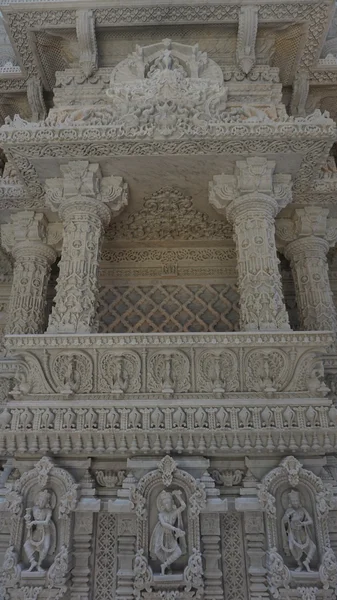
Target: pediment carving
167	88
169	215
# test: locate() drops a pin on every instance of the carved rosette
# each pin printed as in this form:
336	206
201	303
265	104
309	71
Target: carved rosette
85	202
30	240
250	199
306	239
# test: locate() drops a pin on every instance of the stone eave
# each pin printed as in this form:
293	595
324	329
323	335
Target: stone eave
309	141
23	18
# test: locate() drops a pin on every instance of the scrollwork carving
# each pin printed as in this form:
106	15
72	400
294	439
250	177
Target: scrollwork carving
193	574
168	372
218	371
143	574
120	372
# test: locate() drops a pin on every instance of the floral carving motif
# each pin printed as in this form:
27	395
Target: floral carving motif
328	570
143	574
168	215
10	572
167	467
73	372
59	569
197	501
121	372
168	372
193	574
278	573
139	504
218	372
266	371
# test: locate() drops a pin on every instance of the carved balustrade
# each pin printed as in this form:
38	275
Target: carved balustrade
182	391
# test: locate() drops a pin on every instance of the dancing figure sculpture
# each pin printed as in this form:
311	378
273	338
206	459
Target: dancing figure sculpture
40	531
296	535
168	540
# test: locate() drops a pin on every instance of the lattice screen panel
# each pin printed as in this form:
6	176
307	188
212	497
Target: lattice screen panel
233	553
105	558
168	308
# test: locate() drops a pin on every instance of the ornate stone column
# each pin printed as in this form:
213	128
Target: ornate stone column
306	239
85	202
251	199
29	238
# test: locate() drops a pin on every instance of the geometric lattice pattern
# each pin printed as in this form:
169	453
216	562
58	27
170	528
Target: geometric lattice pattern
105	558
168	308
233	557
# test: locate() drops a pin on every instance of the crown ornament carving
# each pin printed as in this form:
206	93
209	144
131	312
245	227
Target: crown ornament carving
167	88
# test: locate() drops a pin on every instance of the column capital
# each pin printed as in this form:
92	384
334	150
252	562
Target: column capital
30	231
306	225
82	185
253	185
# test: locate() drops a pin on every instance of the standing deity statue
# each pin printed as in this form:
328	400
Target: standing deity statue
41	531
168	541
296	535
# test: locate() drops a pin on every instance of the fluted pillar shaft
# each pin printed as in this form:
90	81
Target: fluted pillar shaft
85	202
306	240
251	199
27	239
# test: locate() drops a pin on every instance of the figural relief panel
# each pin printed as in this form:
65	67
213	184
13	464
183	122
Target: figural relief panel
167	502
297	504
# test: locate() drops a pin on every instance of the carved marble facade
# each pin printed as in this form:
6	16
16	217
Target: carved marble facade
168	291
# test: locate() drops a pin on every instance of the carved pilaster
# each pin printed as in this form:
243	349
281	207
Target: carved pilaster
250	199
85	202
126	550
211	551
29	238
255	548
306	239
82	549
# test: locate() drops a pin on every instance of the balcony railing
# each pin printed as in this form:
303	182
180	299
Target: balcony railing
160	392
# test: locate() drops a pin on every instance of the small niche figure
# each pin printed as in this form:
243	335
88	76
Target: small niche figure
168	541
296	535
41	532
